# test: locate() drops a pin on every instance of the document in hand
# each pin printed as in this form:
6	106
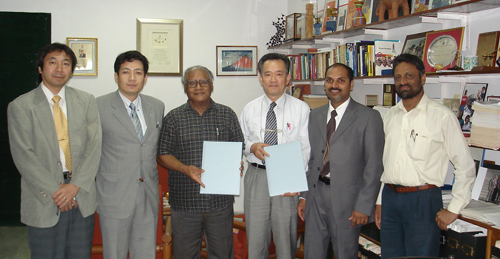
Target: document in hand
285	169
221	162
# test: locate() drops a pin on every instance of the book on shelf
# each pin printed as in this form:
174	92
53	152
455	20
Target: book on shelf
385	51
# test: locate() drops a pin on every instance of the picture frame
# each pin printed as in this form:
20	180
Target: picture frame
371	100
472	92
291	27
415	44
298	92
161	41
442	49
236	60
85	50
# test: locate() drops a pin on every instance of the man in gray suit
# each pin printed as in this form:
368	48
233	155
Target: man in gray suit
55	140
127	181
344	169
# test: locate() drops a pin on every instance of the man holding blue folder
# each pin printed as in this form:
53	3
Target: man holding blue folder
274	118
180	149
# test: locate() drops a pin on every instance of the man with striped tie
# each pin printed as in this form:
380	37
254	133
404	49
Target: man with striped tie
127	181
271	119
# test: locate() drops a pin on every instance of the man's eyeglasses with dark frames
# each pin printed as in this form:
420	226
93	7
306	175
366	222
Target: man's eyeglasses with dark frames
203	83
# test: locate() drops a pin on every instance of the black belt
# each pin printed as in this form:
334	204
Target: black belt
66	175
324	179
258	166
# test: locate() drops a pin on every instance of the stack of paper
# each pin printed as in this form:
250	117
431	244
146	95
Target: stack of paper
485	131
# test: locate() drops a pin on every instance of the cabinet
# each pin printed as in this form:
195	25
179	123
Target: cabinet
476	16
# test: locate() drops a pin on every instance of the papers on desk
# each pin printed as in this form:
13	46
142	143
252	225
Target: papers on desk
221	162
477	210
285	169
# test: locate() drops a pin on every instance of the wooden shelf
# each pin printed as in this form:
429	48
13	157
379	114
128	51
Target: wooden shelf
429	74
401	21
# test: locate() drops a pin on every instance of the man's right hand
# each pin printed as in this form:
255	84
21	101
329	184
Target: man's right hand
378	215
301	208
258	150
194	173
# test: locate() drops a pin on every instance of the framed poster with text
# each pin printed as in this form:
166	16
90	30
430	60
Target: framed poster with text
160	40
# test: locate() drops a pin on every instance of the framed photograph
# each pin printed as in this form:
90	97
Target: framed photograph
85	50
415	44
298	92
371	100
291	26
442	49
160	40
237	60
472	92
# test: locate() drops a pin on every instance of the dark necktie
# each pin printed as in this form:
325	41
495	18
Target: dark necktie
330	129
271	134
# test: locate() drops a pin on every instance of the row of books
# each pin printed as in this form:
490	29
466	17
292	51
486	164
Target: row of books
366	58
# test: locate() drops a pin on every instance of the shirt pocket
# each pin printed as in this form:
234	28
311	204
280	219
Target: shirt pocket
418	147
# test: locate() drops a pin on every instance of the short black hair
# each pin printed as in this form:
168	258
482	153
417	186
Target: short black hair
350	72
273	56
130	56
410	59
56	46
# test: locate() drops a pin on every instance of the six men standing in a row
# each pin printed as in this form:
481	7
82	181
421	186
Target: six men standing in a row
76	155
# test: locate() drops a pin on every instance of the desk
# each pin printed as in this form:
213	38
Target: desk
493	234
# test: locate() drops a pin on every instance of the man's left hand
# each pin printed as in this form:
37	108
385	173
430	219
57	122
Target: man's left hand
290	194
444	218
65	194
358	218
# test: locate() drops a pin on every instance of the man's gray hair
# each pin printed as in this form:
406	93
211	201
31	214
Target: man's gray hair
209	73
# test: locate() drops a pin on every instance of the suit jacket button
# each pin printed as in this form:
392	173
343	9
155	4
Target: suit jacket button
323	151
45	195
314	185
58	163
319	168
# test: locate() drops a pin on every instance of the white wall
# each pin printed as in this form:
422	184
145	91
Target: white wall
207	23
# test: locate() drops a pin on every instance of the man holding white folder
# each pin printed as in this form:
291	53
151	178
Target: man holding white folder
274	118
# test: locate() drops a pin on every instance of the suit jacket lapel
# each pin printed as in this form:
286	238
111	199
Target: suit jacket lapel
348	118
121	114
46	119
149	115
321	121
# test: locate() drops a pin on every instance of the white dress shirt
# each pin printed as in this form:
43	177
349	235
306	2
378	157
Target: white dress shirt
418	146
292	117
138	108
64	108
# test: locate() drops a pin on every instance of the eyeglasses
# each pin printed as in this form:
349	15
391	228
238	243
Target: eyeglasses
202	82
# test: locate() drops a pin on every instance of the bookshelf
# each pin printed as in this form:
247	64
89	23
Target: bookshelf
439	85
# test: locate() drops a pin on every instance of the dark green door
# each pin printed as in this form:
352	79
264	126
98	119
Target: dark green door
21	36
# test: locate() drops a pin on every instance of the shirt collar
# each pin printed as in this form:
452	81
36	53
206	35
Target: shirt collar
49	95
341	108
421	106
127	102
188	107
279	103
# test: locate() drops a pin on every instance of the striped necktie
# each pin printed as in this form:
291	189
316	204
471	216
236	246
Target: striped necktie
136	121
271	135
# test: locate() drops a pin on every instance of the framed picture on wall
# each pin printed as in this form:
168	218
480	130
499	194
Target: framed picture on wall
160	40
85	50
236	60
